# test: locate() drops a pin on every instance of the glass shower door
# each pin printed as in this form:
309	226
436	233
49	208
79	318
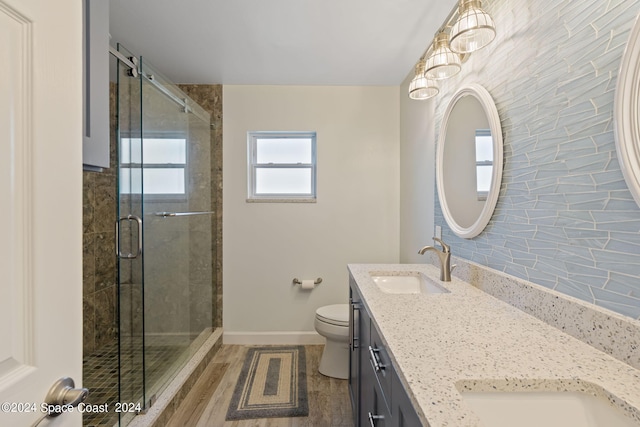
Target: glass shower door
166	304
177	227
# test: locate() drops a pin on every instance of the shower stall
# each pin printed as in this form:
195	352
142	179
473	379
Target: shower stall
164	240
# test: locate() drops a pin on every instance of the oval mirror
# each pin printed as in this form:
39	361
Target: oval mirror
469	161
627	113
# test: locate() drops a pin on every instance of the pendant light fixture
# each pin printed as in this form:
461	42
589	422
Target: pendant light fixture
421	87
474	28
442	63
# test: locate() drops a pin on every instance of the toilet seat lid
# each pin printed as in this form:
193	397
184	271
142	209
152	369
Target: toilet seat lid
336	314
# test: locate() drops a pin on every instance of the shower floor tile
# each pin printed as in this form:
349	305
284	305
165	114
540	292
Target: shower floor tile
100	375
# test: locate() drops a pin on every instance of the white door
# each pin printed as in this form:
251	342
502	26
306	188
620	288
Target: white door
40	204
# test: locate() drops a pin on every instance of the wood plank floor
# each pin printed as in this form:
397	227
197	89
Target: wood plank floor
207	402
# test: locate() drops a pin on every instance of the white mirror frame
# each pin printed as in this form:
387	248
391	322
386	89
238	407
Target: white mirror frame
626	113
490	110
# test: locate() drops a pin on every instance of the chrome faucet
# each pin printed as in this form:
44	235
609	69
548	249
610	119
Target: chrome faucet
445	258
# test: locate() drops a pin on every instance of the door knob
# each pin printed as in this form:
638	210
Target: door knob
63	393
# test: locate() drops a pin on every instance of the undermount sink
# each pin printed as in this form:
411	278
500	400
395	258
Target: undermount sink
545	408
406	283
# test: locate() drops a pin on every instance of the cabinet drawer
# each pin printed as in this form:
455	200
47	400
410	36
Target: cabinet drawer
380	364
375	411
380	414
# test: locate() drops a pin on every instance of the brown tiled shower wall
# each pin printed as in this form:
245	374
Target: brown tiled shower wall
99	212
99	291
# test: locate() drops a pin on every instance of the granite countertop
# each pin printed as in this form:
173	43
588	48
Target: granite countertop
468	340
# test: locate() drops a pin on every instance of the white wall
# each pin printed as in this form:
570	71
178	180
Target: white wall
355	219
417	175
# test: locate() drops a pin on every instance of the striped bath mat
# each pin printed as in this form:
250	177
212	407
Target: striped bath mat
272	383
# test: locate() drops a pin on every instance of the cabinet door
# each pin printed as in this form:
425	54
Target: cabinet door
366	377
354	351
404	414
95	143
378	357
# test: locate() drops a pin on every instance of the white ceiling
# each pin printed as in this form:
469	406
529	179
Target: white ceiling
279	42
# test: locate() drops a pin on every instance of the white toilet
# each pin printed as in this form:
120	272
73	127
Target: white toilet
332	322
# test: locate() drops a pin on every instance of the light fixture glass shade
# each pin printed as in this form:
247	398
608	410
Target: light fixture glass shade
422	88
474	28
442	63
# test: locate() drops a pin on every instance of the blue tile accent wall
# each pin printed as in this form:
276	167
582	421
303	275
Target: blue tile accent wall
565	218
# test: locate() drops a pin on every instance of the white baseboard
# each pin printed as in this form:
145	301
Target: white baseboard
272	338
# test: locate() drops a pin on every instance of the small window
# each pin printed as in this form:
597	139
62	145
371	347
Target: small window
163	171
484	162
282	166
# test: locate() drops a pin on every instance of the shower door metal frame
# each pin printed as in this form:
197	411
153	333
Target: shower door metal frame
134	66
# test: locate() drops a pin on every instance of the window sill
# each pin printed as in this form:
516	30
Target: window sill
283	200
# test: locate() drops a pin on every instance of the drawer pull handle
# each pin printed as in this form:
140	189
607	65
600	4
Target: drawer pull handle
372	418
374	359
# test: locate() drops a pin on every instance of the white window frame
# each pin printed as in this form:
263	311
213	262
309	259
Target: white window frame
253	166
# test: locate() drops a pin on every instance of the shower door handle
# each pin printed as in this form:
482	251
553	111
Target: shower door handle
119	253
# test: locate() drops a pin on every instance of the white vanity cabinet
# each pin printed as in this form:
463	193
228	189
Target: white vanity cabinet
378	398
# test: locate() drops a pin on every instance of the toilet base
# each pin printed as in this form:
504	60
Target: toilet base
335	360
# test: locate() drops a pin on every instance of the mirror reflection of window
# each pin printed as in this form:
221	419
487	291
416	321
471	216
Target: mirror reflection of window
484	162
